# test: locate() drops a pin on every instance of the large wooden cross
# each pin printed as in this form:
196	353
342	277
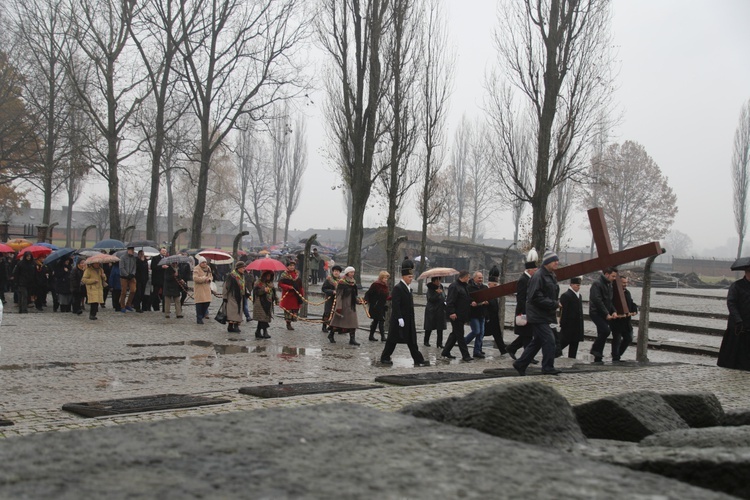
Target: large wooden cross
606	258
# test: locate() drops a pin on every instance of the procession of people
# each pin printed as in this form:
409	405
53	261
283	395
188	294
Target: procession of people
545	320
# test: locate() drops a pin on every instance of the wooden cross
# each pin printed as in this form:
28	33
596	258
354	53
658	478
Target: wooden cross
606	258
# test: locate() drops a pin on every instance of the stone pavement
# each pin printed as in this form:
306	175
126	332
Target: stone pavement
48	359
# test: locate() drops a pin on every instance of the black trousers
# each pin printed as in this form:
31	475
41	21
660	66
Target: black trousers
390	346
456	337
522	340
602	333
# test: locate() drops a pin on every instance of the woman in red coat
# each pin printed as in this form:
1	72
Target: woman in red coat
292	292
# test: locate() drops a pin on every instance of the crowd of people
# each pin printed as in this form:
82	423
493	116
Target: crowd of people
544	319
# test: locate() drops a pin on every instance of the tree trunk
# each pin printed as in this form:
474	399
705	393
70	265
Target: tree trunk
356	230
69	221
170	205
739	247
196	227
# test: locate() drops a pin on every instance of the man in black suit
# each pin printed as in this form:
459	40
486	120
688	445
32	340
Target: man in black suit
523	331
402	328
458	308
571	318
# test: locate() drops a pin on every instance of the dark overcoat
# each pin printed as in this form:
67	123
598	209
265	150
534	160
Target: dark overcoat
376	297
402	306
329	290
735	347
434	311
571	318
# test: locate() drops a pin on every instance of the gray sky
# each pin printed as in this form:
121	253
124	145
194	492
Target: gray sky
684	74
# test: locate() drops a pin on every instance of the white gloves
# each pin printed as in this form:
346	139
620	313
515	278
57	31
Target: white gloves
401	322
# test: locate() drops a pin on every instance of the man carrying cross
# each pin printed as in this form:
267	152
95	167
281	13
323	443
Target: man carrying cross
541	309
602	311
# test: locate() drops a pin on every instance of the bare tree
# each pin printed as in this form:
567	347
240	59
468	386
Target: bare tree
43	44
741	173
678	243
561	208
253	192
351	31
459	172
156	32
435	88
401	48
280	135
296	167
555	55
481	193
78	134
237	61
638	202
107	85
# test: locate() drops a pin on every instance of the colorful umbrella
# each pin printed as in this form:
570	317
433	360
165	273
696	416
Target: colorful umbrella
48	245
109	245
102	258
18	244
438	272
58	254
266	264
180	259
6	249
217	256
36	251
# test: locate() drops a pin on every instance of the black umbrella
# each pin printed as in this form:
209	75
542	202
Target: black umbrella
741	264
57	255
180	259
141	243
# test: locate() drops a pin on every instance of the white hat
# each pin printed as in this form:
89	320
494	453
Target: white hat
349	269
201	259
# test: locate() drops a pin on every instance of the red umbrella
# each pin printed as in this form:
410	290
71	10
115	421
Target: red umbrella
266	264
36	251
215	254
6	249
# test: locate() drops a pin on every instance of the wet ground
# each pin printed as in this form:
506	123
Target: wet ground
49	359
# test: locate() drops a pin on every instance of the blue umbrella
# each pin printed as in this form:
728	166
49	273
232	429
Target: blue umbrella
57	255
110	244
48	245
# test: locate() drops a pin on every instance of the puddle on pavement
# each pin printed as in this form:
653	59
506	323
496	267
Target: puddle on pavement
67	364
199	343
280	352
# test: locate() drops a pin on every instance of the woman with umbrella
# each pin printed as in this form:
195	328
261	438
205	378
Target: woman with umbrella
77	289
61	273
434	312
24	276
264	297
233	293
95	281
202	278
345	309
377	296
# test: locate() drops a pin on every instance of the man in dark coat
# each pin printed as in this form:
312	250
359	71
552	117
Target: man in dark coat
141	279
24	277
402	328
571	318
157	280
602	310
735	346
458	307
541	312
622	326
523	331
329	290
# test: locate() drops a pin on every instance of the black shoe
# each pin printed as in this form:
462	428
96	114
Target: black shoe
258	335
324	328
551	372
372	339
447	355
331	339
382	337
92	317
512	354
422	363
521	371
467	359
266	336
353	342
200	321
440	346
386	362
534	361
479	355
427	344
